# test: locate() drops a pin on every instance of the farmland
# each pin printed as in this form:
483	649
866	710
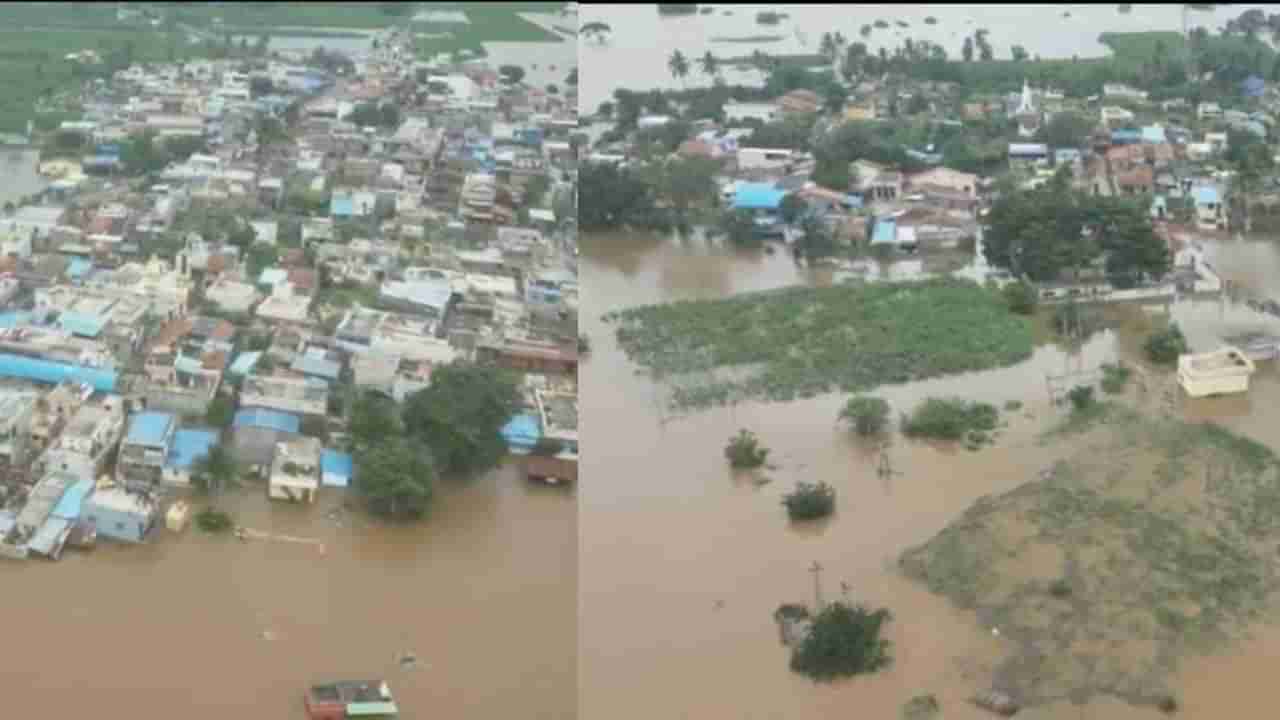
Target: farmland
1156	539
802	342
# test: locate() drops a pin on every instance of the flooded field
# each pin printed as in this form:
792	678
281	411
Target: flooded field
211	627
687	560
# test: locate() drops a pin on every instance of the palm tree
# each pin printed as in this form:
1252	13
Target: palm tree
679	66
710	64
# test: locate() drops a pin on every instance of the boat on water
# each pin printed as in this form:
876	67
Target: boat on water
350	699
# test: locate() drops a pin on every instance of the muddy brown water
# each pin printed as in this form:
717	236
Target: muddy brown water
483	593
683	561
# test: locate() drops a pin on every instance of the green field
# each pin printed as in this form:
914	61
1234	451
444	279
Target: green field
801	342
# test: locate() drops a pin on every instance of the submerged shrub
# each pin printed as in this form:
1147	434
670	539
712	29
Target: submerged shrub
213	521
1114	378
868	415
810	501
1164	347
1081	397
844	641
949	418
744	451
1021	297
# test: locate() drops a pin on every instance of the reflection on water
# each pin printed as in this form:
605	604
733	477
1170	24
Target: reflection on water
685	560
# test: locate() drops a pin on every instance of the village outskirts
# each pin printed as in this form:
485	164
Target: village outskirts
291	275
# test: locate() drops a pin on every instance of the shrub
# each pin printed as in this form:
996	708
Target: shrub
1081	397
1059	588
869	415
809	501
744	451
584	345
949	418
1013	406
213	521
1021	298
920	707
1168	704
1164	347
1114	378
844	641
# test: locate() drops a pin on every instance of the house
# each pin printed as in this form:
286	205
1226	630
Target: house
256	431
1120	91
1216	140
336	469
145	448
1137	181
1125	136
764	159
17	410
739	111
189	446
875	182
1113	116
120	514
295	470
800	102
1028	152
296	396
962	182
1208	111
1208	206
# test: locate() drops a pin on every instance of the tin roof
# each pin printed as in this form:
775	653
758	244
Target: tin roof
149	428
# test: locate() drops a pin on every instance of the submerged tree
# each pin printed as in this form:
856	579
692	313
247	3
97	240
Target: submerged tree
843	641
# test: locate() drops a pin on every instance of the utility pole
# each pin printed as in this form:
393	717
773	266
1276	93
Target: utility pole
816	569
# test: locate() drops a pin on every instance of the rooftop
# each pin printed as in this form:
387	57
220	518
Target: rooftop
149	428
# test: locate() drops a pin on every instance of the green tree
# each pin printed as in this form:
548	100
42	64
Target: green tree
815	239
611	197
710	65
141	155
213	472
678	64
511	73
740	227
259	257
221	412
810	501
396	477
744	451
792	208
373	417
461	416
1068	130
843	641
1021	297
868	415
1019	53
967	50
1163	347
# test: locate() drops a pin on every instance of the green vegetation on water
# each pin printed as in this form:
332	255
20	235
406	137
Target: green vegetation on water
1155	539
810	501
214	521
1115	377
867	415
801	342
950	419
843	641
1164	346
744	451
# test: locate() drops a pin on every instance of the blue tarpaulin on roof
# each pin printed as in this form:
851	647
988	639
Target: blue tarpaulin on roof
54	373
342	205
1205	195
82	324
149	428
336	468
885	232
244	363
78	267
189	446
757	196
271	419
73	500
522	432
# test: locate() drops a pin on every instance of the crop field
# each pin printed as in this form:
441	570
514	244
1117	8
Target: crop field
802	342
1157	539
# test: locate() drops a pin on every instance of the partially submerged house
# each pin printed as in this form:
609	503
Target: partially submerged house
295	470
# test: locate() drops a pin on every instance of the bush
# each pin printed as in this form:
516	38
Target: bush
920	707
809	501
1114	378
1165	346
1167	704
1081	397
744	451
949	419
844	641
1059	588
214	521
1021	298
869	415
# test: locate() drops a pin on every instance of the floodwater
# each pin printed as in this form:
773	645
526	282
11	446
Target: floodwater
683	561
20	177
483	594
635	55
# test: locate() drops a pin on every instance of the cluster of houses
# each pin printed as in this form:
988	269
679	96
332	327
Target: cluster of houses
125	329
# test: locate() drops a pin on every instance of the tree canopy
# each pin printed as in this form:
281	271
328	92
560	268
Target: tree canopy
1041	233
373	417
460	416
397	477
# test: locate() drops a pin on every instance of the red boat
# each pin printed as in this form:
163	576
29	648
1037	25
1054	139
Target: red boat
342	700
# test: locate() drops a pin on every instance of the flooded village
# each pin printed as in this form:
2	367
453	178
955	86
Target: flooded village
1089	547
288	368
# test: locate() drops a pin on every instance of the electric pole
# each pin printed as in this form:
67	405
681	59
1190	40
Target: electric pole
816	569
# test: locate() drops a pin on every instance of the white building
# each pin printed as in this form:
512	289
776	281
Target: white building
295	470
1220	372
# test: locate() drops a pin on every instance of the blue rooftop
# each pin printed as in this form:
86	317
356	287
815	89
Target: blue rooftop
79	267
316	366
15	318
73	499
149	428
270	419
1253	86
47	371
82	324
1125	135
244	363
189	446
1205	195
342	205
522	432
757	196
336	468
886	231
1153	134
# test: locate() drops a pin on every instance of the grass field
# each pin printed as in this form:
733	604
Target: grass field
801	342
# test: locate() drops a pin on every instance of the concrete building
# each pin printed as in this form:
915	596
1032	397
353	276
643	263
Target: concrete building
145	448
255	433
295	470
120	514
